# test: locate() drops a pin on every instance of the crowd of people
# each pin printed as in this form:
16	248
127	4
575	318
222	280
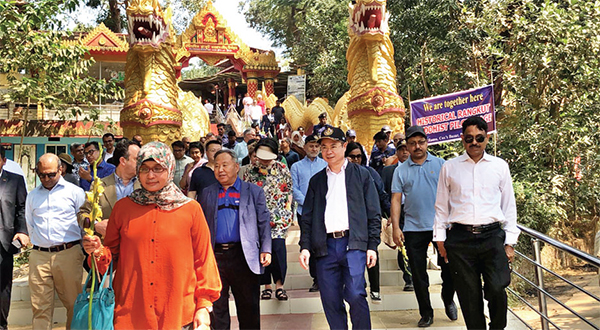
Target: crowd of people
185	224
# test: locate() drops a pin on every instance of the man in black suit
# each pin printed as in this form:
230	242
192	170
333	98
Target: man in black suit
340	227
12	216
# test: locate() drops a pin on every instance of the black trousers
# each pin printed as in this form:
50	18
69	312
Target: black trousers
373	274
416	247
404	266
471	257
6	273
278	267
245	286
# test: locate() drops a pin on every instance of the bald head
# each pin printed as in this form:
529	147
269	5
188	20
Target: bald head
48	169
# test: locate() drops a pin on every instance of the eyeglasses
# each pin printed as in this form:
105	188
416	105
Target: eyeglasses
479	138
90	152
355	157
413	143
156	169
47	175
178	150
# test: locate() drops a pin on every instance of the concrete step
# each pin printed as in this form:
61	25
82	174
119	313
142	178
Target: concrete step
386	278
21	313
301	301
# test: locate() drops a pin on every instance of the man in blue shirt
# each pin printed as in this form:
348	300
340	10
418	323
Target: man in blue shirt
104	169
302	171
417	180
241	240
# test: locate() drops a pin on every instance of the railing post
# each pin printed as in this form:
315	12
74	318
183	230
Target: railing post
539	272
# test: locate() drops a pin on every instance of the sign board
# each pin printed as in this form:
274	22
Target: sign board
297	86
442	116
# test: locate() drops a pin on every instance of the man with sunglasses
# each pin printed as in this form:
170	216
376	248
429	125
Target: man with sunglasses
476	226
79	161
103	169
56	258
417	180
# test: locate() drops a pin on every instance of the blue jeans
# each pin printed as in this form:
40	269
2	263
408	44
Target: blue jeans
341	276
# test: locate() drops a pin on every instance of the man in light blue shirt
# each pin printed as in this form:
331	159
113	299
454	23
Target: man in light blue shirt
56	259
241	149
417	180
302	171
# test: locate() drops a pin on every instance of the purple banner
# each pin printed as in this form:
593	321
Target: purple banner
442	116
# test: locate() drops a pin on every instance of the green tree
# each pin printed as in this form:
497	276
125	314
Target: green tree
314	34
40	67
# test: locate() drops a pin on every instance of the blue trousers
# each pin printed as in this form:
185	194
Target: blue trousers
341	276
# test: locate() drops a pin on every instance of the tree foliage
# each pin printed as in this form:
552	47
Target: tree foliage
314	33
39	66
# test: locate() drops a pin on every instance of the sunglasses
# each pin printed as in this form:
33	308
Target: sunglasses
478	138
355	157
47	175
157	169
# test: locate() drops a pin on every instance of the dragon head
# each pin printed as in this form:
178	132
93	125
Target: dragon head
369	19
148	25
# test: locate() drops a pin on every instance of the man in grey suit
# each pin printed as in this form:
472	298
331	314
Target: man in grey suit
238	220
12	217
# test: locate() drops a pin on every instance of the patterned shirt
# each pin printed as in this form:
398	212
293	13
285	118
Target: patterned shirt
277	184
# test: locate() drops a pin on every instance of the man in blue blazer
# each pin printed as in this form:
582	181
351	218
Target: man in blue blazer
340	227
239	223
12	218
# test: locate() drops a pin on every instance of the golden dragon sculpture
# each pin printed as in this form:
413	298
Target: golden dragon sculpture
372	100
155	107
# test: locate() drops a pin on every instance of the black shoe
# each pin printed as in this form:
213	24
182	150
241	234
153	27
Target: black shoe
314	287
409	287
425	322
451	311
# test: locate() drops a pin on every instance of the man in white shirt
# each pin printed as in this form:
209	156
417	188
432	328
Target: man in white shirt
108	141
181	160
475	226
209	107
55	263
247	101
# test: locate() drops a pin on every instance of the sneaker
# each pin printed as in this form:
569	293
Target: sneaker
314	287
409	287
375	297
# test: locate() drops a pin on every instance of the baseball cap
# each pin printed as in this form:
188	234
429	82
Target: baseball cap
66	158
386	129
414	130
311	138
323	115
351	133
380	136
333	133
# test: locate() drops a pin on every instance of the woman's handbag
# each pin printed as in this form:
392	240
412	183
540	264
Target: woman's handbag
103	306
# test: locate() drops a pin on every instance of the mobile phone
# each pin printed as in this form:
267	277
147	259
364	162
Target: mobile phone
17	243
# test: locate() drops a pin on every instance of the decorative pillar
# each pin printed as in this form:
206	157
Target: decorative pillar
252	87
269	87
231	85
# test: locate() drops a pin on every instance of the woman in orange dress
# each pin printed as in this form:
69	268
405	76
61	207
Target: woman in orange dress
166	274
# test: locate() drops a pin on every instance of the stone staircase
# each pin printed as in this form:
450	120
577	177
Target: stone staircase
297	283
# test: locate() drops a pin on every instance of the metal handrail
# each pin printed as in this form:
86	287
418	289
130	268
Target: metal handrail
537	238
